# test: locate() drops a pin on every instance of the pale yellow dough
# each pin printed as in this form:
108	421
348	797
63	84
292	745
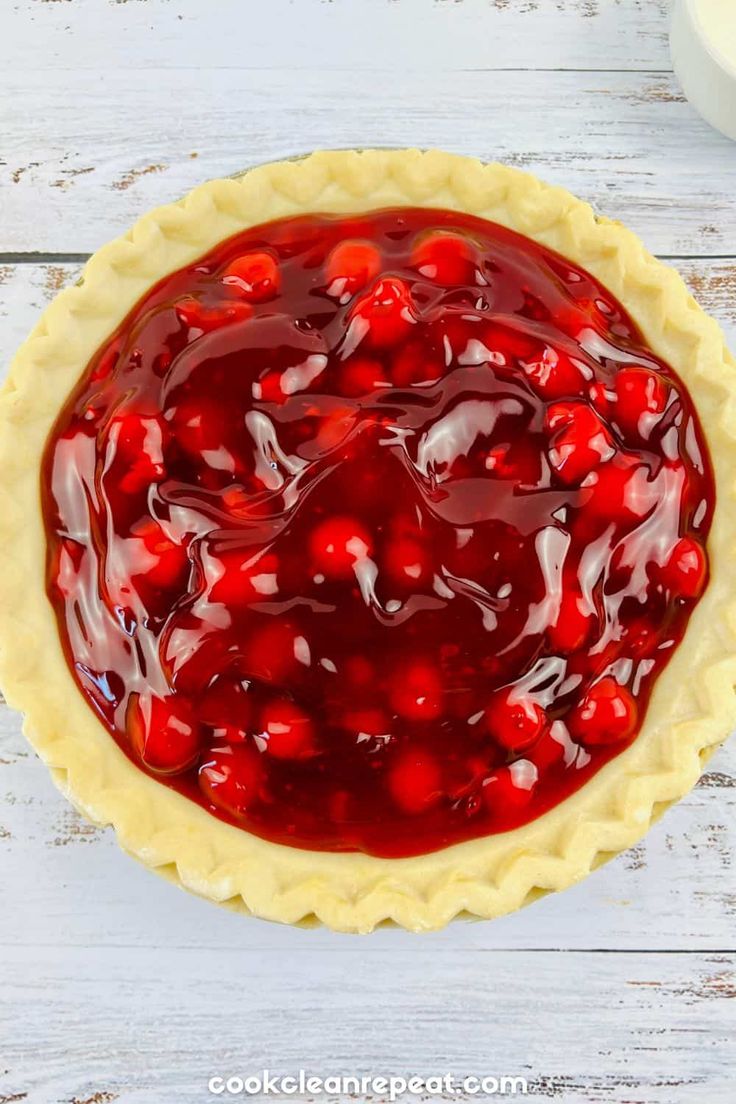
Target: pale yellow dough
693	706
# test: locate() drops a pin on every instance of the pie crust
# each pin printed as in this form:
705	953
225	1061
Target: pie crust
693	706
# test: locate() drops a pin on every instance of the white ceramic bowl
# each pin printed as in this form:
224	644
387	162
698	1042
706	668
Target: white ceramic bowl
702	38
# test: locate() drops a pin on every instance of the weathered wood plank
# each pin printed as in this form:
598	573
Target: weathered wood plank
25	289
392	35
675	890
153	1025
124	140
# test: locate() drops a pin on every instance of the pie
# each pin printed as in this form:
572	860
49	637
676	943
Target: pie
367	526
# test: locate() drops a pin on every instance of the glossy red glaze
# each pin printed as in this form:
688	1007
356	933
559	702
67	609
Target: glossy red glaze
374	533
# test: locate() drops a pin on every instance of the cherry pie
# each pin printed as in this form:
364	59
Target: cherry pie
380	565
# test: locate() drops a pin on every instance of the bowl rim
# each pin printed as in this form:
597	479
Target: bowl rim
693	9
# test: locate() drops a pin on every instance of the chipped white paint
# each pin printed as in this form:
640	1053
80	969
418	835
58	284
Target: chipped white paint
114	987
584	1029
343	35
625	141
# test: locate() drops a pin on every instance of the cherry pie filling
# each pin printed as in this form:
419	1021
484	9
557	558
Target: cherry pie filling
374	533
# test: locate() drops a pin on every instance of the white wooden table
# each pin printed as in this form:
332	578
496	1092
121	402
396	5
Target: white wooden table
114	986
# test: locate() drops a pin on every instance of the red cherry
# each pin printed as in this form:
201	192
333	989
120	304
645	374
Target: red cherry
231	734
357	671
195	315
361	375
141	474
407	562
276	386
498	463
226	707
514	722
606	715
365	723
337	544
415	782
163	732
350	266
620	492
192	651
554	374
641	396
579	441
230	777
287	732
416	692
686	569
548	752
276	651
520	462
416	363
384	314
198	425
137	442
445	257
509	790
162	563
573	626
559	415
269	389
513	345
237	576
453	333
601	398
254	276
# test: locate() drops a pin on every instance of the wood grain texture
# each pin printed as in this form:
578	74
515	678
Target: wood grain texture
372	35
154	1025
124	140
